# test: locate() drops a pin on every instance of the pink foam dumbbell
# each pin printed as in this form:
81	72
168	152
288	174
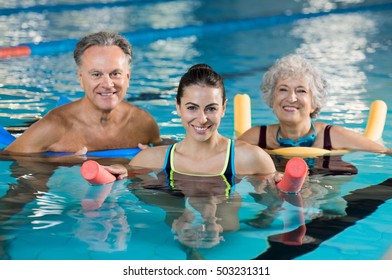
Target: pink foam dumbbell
95	174
294	176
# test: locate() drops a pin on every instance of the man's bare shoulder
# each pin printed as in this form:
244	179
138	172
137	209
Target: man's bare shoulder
41	135
63	115
59	119
141	119
134	111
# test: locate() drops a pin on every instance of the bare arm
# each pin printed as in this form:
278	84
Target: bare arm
37	138
144	162
251	136
152	158
252	160
343	138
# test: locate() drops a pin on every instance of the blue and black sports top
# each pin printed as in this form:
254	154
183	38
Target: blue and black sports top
227	173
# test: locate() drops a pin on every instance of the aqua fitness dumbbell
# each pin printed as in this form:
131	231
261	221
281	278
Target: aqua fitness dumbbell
294	176
95	174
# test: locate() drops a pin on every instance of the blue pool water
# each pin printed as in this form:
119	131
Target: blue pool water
47	211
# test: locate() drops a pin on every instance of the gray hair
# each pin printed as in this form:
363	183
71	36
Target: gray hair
293	66
102	38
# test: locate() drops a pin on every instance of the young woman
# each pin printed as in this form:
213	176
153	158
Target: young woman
201	104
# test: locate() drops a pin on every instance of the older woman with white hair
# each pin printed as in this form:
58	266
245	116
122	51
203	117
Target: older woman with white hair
295	90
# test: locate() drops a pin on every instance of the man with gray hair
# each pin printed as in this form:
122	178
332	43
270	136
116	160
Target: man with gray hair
101	120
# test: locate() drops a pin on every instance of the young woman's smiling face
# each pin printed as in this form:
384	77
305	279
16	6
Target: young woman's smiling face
293	99
201	111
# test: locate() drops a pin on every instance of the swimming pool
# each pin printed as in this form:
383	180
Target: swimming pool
52	213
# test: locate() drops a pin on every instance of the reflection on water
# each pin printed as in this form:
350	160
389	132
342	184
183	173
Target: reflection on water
104	229
55	214
35	25
339	45
102	225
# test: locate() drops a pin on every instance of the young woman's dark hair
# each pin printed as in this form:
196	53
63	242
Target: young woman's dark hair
202	75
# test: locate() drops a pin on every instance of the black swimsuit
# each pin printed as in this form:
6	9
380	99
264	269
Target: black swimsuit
263	137
333	163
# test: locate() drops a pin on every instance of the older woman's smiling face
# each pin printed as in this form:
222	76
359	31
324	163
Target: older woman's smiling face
293	99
